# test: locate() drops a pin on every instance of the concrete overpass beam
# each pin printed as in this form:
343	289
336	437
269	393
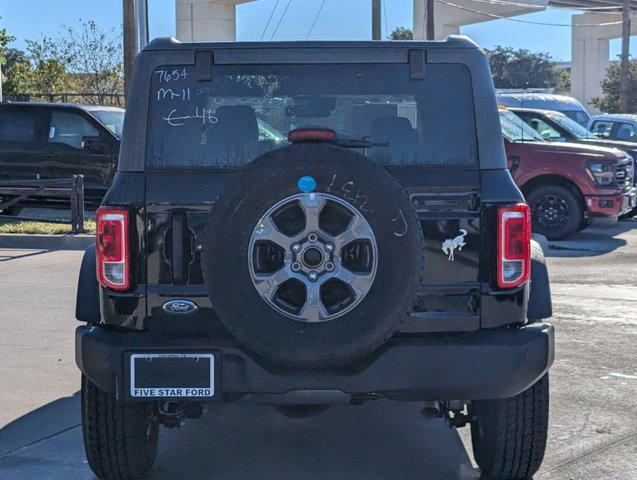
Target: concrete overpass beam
449	19
204	20
590	51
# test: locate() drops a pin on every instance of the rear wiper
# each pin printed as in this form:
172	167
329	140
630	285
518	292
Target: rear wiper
358	143
327	135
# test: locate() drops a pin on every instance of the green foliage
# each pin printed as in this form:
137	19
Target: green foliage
95	58
401	33
609	101
48	62
15	71
5	39
525	69
80	60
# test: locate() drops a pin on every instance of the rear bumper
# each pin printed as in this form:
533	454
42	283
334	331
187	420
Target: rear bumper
482	365
611	205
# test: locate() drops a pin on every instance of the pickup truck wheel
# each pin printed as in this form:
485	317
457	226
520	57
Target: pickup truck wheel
556	212
509	435
120	438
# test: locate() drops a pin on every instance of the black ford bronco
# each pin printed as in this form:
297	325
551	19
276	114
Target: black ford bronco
303	224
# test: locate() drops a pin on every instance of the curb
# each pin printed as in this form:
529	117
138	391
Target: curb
45	242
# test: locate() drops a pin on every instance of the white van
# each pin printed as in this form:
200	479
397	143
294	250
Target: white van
546	101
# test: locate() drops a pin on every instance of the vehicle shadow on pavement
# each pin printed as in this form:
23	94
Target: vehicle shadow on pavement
381	440
7	254
592	241
44	422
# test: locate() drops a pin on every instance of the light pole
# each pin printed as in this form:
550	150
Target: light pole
376	20
624	77
429	13
135	35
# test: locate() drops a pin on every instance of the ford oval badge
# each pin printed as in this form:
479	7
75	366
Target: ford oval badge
180	307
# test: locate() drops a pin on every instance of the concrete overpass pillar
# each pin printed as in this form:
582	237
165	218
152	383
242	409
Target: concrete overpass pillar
448	19
203	20
590	51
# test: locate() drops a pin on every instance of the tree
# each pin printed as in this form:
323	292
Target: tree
401	33
81	60
609	101
95	59
16	71
49	73
525	69
5	39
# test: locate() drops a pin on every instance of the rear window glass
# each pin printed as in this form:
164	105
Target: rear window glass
246	110
21	125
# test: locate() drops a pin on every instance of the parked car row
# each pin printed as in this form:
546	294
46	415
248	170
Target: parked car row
566	184
570	175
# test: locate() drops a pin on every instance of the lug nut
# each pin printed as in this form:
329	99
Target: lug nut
329	247
296	266
296	247
313	276
312	237
329	266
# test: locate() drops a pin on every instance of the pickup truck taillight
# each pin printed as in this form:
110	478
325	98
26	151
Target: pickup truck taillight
514	245
113	261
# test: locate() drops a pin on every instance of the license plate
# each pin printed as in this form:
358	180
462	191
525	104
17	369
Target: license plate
157	375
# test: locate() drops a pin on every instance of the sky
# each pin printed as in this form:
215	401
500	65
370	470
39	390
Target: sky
339	20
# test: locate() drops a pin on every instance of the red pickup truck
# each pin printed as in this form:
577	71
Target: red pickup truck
566	185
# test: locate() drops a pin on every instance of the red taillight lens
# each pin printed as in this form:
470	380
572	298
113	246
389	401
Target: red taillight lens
113	264
514	245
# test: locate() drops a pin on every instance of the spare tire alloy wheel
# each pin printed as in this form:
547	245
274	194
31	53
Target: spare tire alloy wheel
317	273
312	274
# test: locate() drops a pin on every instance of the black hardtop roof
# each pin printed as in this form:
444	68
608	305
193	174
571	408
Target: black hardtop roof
417	55
452	41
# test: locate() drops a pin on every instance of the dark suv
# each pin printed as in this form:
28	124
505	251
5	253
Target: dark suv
57	140
380	250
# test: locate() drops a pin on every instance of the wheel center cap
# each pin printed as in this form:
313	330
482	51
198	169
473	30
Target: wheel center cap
312	257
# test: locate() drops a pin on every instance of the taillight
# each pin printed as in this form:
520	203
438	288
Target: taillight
514	245
113	262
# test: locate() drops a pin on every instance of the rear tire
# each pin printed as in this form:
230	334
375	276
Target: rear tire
566	216
120	438
509	436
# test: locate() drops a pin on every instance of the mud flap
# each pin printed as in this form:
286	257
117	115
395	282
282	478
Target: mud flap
540	305
87	304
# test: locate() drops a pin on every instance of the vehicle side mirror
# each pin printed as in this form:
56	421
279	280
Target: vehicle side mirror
93	143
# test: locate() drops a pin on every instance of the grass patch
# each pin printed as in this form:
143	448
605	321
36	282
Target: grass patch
42	228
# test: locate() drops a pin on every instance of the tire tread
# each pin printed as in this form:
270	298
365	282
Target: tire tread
518	426
112	435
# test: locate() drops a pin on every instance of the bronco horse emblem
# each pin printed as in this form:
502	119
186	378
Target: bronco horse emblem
450	244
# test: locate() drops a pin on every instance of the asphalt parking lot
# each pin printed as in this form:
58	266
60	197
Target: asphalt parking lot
593	424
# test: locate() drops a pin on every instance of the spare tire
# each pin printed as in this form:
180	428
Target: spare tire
312	255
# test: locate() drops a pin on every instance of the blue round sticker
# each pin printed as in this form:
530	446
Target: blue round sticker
306	184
